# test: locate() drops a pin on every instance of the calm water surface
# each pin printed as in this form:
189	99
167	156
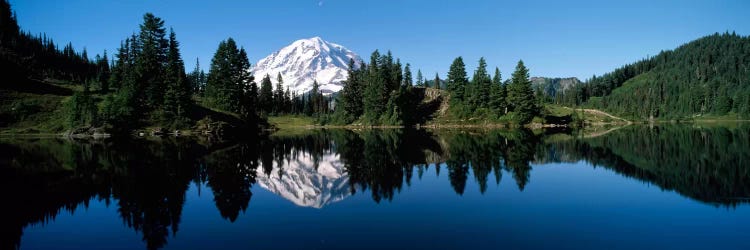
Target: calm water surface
676	187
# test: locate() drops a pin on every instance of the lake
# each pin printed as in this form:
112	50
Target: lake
666	186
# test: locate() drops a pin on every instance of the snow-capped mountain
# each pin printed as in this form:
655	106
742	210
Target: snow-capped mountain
307	60
299	181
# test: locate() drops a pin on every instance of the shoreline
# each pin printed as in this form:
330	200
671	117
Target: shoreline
188	133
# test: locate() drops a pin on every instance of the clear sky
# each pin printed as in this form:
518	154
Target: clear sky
554	38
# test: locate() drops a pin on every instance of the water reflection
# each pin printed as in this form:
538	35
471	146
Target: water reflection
147	179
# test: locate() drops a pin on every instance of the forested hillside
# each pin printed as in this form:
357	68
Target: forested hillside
708	76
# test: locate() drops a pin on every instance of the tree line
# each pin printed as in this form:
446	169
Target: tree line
380	93
488	96
707	76
25	55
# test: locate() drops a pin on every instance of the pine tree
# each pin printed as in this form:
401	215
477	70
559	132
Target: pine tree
151	59
278	95
228	78
177	94
420	78
287	101
373	101
265	96
457	80
352	95
316	98
481	84
195	77
521	96
437	81
497	94
407	76
103	72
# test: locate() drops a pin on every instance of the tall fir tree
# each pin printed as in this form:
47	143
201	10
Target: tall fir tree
265	96
195	77
497	94
374	90
436	82
420	78
480	83
177	94
278	95
103	72
228	78
408	81
352	94
521	96
457	80
151	59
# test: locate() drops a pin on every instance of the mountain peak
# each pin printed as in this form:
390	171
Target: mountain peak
307	60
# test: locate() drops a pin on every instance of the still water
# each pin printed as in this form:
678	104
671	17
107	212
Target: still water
676	187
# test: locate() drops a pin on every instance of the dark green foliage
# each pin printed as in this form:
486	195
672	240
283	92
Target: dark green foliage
265	96
177	96
350	105
407	76
436	83
521	98
703	77
278	96
102	72
23	55
81	110
375	95
420	78
228	79
480	87
704	163
498	94
197	79
150	62
456	81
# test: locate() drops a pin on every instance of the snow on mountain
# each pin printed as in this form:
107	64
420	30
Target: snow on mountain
307	60
299	181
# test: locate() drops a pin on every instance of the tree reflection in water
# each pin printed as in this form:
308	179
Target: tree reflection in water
147	179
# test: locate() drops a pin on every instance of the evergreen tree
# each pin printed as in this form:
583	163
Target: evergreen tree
287	101
521	96
265	97
177	95
103	72
316	99
407	76
497	94
481	84
420	78
278	95
436	83
151	59
196	82
373	100
351	96
228	78
457	80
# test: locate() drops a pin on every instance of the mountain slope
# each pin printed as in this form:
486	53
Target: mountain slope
307	60
306	183
551	87
709	76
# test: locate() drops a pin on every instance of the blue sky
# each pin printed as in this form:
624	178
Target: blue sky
554	38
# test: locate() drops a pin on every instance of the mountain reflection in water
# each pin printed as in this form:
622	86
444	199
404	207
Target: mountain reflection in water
146	180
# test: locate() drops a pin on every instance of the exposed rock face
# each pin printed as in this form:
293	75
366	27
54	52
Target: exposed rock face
553	86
